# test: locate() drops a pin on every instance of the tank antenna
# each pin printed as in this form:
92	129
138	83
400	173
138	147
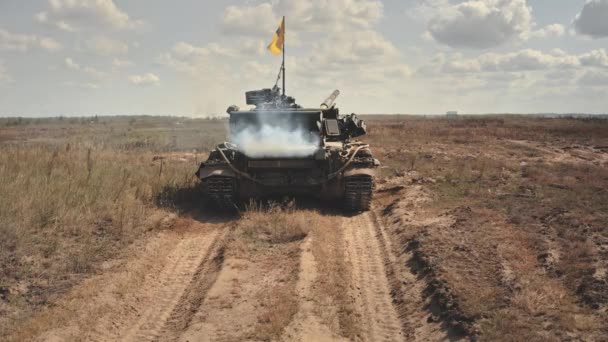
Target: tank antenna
281	75
283	65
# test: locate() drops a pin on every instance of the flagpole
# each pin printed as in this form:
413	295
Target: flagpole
284	36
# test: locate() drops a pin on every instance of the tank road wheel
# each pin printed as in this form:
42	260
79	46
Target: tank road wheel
222	191
358	193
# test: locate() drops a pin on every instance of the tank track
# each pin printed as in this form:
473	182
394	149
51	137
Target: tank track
358	193
221	192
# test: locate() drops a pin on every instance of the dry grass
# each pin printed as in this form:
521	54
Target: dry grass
530	187
76	191
269	235
335	306
65	210
274	223
74	194
278	307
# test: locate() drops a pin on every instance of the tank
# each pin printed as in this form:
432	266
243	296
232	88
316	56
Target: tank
279	148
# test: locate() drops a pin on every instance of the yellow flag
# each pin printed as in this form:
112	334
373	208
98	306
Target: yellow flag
278	39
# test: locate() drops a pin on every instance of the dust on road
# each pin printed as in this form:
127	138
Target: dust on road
201	282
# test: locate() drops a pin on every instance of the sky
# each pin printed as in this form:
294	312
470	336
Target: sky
195	58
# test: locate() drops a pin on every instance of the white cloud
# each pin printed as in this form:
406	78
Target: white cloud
104	46
302	16
594	79
340	35
400	71
183	49
559	75
94	73
335	15
147	79
523	60
121	63
556	65
17	42
363	47
70	64
49	44
593	19
186	57
86	70
249	20
82	85
43	18
598	58
206	61
317	25
366	51
64	26
478	23
4	77
72	15
252	47
23	42
553	30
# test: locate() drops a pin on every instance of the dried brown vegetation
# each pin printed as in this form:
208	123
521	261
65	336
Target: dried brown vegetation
511	234
74	194
274	223
268	236
335	306
491	228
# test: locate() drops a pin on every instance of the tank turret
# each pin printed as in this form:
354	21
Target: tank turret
267	98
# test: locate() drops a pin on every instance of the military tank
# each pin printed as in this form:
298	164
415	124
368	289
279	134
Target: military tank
280	148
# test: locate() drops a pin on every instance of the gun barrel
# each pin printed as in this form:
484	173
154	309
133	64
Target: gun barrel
331	99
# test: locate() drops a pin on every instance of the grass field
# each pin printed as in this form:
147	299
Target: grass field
503	220
526	252
75	192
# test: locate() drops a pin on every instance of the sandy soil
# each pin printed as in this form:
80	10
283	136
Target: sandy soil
369	281
193	283
150	295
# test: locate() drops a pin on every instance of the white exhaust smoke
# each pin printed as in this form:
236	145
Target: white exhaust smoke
271	138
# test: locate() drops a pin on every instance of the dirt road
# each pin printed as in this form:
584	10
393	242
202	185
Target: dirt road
201	282
369	280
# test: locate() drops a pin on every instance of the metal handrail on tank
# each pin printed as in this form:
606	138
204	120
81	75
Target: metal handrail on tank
350	160
238	172
329	177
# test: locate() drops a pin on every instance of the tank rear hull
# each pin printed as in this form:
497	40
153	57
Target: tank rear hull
226	185
273	177
331	190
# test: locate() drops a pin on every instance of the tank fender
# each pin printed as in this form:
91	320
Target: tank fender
362	171
210	172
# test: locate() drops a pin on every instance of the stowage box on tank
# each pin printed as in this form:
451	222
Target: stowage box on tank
333	164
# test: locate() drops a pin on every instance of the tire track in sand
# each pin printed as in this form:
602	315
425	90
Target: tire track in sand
370	285
169	291
306	325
